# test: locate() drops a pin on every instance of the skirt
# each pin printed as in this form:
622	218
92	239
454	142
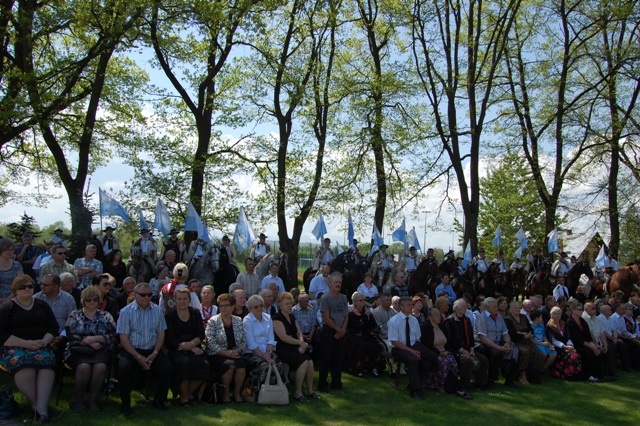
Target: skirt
568	366
189	366
98	357
446	365
15	359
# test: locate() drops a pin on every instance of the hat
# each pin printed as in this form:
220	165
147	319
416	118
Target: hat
480	250
412	248
450	252
327	239
225	238
58	231
262	236
109	228
143	230
49	243
459	258
356	241
563	254
173	231
382	245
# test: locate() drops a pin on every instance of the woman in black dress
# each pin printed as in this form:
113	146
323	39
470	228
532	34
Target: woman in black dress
292	349
593	358
185	334
363	350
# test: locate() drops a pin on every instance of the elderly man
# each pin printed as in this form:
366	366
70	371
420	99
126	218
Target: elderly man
320	283
273	277
404	337
527	307
269	297
141	327
169	261
590	315
126	294
306	317
382	314
496	344
460	342
59	265
399	287
69	286
249	280
614	343
88	266
334	308
260	249
61	303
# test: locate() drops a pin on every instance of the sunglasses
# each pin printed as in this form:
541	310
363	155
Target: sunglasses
92	299
26	287
61	253
145	294
107	284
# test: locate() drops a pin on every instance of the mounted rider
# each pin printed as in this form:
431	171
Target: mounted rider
175	244
260	249
228	248
108	241
382	264
481	262
197	249
324	255
501	262
148	245
560	266
411	260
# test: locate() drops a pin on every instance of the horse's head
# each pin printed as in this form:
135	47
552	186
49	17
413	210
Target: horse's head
212	257
136	252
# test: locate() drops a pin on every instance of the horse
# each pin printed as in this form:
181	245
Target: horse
625	279
425	278
572	278
205	267
140	267
486	283
226	273
464	283
540	283
352	271
517	279
449	266
262	268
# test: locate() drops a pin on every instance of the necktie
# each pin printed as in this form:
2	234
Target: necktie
407	332
564	290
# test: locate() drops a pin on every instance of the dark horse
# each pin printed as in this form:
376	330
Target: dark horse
572	278
226	273
352	270
486	283
540	283
517	279
425	278
465	283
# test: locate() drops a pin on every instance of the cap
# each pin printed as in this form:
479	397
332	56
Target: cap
262	236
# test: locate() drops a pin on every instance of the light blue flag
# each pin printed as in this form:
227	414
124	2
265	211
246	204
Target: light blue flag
320	229
162	222
602	261
496	237
524	244
338	249
243	235
412	239
351	234
519	253
466	258
143	223
552	245
110	207
192	222
203	233
400	234
377	238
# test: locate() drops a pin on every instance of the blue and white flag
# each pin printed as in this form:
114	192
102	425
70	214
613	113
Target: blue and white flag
602	261
519	253
553	245
243	236
466	258
351	233
203	232
412	239
143	223
320	229
376	237
524	244
110	207
192	221
400	234
496	237
162	222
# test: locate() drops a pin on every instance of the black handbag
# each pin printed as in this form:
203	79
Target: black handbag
81	350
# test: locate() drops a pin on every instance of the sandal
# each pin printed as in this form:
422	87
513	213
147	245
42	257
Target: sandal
313	395
301	398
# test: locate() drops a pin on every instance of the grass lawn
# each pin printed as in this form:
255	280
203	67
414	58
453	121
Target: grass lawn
378	402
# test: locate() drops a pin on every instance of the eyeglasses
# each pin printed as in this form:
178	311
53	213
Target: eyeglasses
26	287
223	306
107	284
61	253
92	299
145	294
257	306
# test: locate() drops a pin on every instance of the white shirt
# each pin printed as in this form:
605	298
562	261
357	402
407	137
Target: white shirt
147	246
260	250
606	325
482	264
259	333
411	263
619	325
318	285
594	326
397	329
561	291
364	290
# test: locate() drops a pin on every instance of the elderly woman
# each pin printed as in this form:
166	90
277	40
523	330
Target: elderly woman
442	305
27	328
363	350
185	334
521	334
593	359
568	363
226	342
68	284
368	289
292	349
9	268
91	335
207	308
447	368
126	294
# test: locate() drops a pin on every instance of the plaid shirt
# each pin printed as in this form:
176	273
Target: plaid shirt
306	318
84	263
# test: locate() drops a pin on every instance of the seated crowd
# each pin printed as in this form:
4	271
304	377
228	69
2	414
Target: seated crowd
190	341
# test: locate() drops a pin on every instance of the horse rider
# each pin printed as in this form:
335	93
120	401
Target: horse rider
173	243
381	264
411	261
517	265
260	249
148	245
58	237
197	249
561	265
324	255
501	262
461	269
108	241
572	262
430	257
231	252
480	261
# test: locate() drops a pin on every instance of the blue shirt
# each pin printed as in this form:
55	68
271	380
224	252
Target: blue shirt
142	325
270	279
447	289
494	329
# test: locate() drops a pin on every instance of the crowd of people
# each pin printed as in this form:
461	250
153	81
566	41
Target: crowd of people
188	338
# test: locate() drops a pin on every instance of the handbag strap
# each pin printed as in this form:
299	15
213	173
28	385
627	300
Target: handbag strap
278	378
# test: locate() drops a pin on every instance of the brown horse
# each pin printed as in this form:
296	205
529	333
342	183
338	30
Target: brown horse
517	279
540	284
624	279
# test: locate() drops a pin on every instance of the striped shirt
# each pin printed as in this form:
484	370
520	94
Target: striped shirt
52	268
250	283
84	263
141	325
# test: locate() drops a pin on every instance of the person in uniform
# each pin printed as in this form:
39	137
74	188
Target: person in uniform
108	241
260	249
411	260
381	264
324	255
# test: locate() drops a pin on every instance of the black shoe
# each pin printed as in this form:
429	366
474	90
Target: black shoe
324	388
511	385
416	395
159	405
126	410
336	386
375	372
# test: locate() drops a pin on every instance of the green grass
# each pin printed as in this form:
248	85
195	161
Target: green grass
378	402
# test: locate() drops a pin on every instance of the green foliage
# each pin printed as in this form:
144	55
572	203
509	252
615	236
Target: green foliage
630	235
26	225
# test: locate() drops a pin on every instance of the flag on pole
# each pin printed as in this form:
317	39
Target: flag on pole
203	232
412	239
524	244
496	237
143	223
351	233
466	258
519	253
400	234
192	221
110	207
552	245
377	238
602	261
162	222
243	236
338	249
320	229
